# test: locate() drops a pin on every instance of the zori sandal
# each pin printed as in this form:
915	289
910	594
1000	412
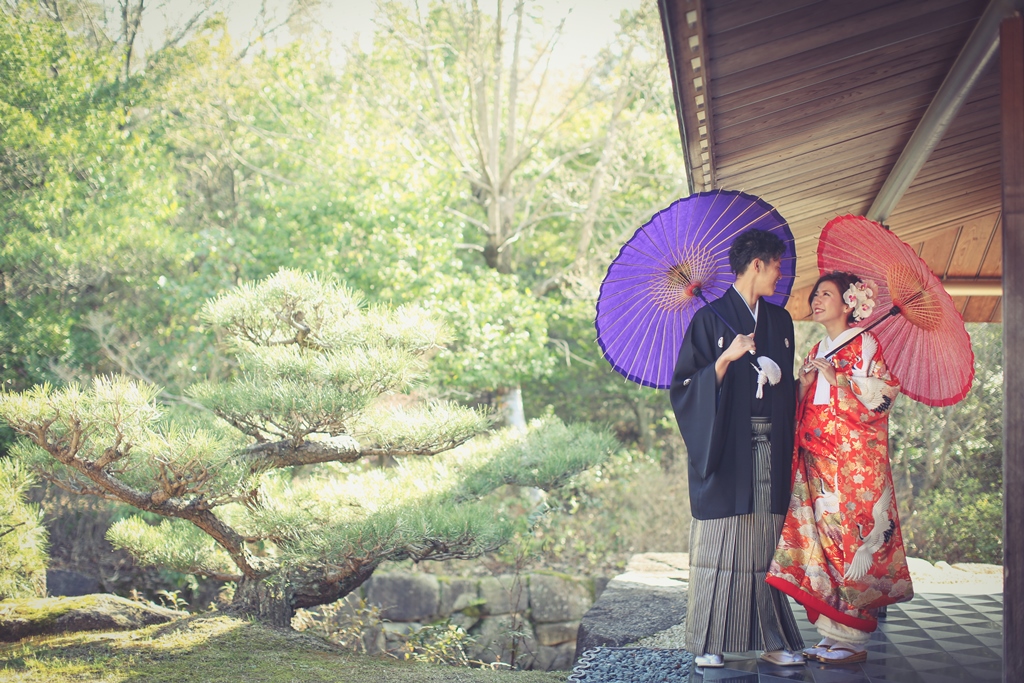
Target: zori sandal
819	649
815	652
783	658
843	655
709	661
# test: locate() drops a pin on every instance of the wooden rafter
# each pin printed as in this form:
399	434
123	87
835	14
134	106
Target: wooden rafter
686	43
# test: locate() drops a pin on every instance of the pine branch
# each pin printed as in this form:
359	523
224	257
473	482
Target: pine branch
159	501
76	487
439	549
289	453
217	576
11	529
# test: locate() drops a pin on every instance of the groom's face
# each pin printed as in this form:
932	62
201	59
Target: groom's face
766	276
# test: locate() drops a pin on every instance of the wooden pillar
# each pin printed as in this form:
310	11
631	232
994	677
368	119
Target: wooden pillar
1011	41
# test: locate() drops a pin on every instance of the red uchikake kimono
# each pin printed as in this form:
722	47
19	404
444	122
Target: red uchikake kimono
841	552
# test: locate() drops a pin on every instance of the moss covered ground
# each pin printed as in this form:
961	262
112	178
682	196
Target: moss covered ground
214	649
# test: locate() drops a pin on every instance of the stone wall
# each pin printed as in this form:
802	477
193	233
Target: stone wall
545	608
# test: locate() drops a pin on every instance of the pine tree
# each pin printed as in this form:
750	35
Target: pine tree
276	493
22	535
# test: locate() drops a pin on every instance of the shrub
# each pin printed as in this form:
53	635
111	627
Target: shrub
22	536
962	524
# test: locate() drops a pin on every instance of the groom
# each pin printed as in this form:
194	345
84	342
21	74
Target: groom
739	443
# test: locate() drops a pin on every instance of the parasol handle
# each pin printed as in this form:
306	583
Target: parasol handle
894	311
700	295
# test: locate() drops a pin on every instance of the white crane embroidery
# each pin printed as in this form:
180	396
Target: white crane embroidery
828	501
881	532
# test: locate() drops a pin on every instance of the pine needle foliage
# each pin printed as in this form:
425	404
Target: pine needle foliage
174	544
323	383
22	535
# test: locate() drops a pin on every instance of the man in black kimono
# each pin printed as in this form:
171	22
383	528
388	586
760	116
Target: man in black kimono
739	441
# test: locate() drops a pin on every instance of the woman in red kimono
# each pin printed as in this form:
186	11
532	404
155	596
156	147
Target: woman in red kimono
841	552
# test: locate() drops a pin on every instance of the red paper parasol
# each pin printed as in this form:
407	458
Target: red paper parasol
925	342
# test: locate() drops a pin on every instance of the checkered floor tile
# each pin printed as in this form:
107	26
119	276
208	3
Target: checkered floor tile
932	639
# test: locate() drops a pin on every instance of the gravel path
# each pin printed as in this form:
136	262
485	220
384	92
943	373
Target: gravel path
621	665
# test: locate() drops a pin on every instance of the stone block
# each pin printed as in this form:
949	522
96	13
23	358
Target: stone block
64	583
600	583
465	621
457	594
401	628
496	637
374	640
617	618
558	598
340	611
504	594
404	596
557	633
396	635
556	658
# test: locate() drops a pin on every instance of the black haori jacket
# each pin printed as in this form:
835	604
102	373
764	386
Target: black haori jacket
715	422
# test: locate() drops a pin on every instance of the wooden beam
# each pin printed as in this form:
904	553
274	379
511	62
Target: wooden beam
686	43
1011	40
978	52
961	286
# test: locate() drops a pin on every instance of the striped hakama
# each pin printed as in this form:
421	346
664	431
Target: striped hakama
730	607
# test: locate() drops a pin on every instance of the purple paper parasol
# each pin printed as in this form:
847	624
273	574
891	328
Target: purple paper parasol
652	288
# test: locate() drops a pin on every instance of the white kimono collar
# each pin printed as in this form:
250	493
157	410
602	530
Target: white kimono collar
821	386
754	310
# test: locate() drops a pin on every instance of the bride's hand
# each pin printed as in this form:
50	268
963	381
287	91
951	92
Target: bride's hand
825	368
808	375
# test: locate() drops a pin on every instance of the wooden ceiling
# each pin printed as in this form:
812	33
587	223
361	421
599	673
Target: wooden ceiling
808	104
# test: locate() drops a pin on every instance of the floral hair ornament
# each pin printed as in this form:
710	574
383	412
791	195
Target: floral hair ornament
861	297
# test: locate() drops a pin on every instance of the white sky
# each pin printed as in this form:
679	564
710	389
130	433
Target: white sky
590	24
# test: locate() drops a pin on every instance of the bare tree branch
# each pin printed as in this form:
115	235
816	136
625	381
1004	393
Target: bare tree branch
131	17
469	219
262	33
102	326
179	35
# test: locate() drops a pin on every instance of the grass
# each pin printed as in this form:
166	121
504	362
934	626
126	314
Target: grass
213	649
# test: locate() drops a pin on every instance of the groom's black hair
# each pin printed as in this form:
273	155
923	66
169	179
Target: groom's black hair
754	244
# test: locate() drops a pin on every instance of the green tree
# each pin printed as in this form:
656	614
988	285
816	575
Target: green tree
321	385
98	274
554	167
22	536
82	198
947	463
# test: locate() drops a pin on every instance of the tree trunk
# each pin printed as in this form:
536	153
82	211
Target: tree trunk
510	403
643	423
274	600
268	602
497	258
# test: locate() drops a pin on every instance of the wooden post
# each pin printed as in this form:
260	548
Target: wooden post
1011	41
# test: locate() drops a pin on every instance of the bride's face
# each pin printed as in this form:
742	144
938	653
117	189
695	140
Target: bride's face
827	304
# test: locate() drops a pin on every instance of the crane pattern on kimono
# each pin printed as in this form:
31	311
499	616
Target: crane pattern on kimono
881	533
828	502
